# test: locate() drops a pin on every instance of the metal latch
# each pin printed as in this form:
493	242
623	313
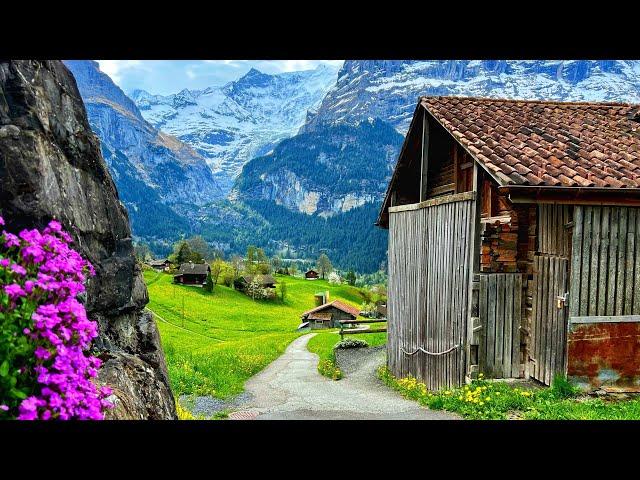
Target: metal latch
562	300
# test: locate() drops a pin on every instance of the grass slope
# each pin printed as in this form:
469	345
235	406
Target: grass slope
215	341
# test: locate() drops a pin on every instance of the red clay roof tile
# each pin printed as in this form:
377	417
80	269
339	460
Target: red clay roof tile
547	143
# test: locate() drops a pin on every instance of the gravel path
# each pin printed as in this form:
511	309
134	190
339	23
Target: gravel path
291	388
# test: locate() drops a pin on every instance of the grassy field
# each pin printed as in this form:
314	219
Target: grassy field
215	341
484	400
322	345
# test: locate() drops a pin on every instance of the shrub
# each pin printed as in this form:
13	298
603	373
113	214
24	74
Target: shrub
45	371
351	343
334	279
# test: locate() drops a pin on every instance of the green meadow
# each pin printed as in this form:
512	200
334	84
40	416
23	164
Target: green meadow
215	341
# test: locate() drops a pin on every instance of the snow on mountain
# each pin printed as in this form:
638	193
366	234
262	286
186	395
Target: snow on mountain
389	89
243	119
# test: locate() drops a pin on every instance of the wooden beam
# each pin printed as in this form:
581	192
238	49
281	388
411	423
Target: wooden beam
424	165
434	201
605	319
449	187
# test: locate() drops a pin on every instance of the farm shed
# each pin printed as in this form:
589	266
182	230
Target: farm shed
265	281
311	275
514	243
192	274
160	265
325	316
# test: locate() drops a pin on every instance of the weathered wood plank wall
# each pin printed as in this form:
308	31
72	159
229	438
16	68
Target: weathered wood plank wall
500	312
429	269
605	267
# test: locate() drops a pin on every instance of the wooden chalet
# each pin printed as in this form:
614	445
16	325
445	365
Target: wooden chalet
514	243
161	265
192	274
326	316
311	275
265	281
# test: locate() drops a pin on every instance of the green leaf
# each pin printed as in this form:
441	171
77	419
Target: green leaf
18	394
4	369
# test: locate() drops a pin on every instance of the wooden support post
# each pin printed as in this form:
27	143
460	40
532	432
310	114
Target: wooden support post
474	265
424	164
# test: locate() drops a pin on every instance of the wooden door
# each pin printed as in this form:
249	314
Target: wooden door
550	318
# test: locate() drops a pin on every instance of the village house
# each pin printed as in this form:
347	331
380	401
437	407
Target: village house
161	265
265	281
311	275
329	314
192	274
514	243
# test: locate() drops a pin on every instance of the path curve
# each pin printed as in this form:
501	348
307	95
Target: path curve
291	388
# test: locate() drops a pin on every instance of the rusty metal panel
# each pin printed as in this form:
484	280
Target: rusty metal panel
604	354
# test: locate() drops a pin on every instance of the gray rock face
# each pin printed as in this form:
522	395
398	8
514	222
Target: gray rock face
51	167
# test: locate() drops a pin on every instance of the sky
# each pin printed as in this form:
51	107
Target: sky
164	77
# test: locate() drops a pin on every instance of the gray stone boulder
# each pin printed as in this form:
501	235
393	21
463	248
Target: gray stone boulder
51	167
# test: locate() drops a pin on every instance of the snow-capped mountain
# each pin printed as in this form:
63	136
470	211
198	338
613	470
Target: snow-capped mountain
243	119
152	170
389	89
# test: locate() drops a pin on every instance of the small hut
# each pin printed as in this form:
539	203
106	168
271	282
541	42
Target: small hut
265	281
327	315
311	275
161	265
192	274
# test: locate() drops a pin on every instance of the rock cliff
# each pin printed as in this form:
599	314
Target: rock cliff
51	167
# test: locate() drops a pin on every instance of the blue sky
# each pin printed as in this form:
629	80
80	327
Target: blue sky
170	76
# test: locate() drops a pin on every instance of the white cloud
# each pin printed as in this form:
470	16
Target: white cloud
116	68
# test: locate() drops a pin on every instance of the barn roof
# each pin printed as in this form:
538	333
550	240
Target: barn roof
536	144
262	279
546	143
194	268
161	261
337	304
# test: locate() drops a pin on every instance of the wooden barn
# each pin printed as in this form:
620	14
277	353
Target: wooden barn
311	275
192	274
326	316
161	265
514	243
265	281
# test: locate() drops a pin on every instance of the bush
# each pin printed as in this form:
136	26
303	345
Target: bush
351	343
45	371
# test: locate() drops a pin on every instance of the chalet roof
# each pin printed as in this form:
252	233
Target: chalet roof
311	270
545	143
262	279
337	304
161	261
194	268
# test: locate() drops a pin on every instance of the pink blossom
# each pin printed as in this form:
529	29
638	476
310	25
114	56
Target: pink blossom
14	291
19	269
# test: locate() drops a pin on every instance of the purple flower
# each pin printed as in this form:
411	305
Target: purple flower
11	240
19	269
1	223
3	406
59	327
14	291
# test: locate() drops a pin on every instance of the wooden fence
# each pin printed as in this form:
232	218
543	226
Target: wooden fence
429	268
500	312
